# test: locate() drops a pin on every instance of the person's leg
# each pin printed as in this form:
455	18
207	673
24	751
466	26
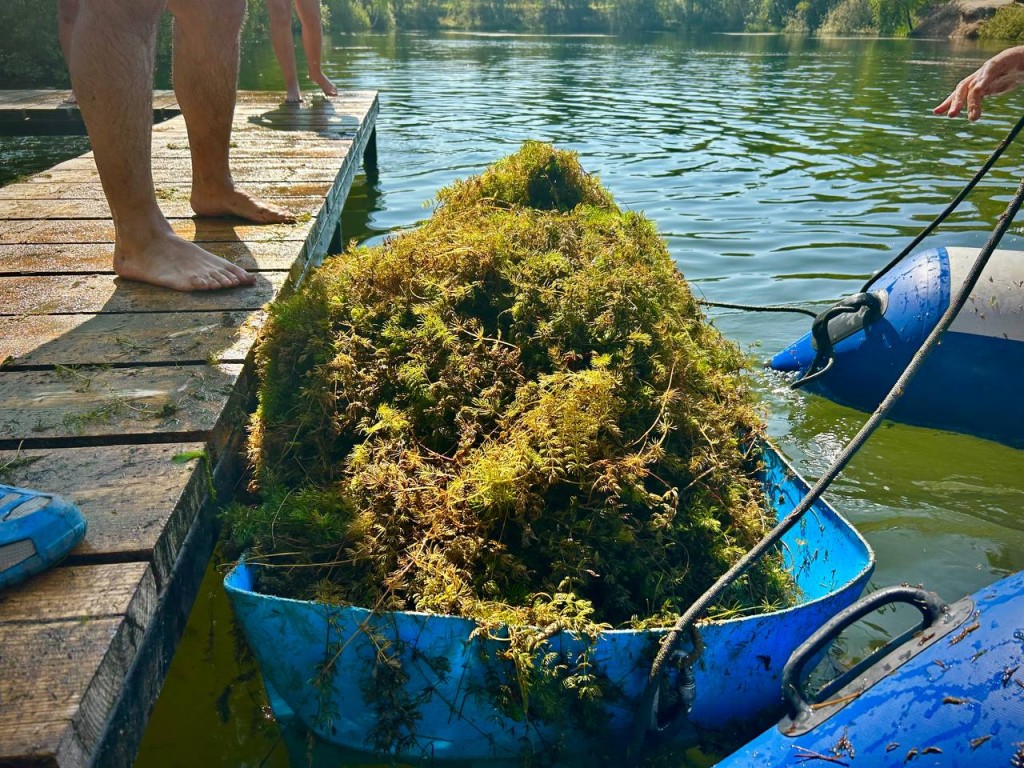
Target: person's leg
67	10
206	48
112	49
312	41
279	12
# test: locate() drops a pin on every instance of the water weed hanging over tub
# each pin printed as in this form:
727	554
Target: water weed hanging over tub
515	414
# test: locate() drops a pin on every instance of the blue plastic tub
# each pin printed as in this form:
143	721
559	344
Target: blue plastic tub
737	674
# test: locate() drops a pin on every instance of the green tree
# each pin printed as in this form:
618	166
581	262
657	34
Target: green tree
30	56
896	17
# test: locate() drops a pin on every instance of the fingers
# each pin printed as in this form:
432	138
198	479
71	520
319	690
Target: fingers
943	108
970	92
974	97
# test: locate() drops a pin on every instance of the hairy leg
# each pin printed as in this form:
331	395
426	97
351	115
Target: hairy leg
206	47
312	41
280	14
112	47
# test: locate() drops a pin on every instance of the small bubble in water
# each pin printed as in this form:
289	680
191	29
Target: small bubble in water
1019	635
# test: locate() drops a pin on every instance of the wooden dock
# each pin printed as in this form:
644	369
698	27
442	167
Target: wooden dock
132	401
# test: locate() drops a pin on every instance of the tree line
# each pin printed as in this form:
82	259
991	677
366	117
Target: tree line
30	56
834	17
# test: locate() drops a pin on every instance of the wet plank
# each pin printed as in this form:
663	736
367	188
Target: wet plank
131	338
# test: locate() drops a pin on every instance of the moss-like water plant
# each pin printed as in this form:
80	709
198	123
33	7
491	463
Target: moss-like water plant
515	413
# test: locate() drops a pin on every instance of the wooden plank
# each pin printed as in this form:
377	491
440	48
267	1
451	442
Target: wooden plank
102	231
269	145
59	679
139	501
88	294
137	338
27	98
345	99
121	404
72	593
245	174
174	208
165	100
272	157
50	98
170	191
91	258
10	97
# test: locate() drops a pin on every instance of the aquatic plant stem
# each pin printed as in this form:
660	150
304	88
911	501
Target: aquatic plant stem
646	713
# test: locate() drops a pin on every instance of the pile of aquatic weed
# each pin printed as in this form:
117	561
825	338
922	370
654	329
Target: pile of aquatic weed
515	412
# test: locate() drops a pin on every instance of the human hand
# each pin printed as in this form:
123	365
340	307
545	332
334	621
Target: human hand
1002	73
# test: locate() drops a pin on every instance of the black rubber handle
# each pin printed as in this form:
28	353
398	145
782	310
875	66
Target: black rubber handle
928	603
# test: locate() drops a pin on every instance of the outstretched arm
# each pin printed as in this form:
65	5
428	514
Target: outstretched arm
1002	73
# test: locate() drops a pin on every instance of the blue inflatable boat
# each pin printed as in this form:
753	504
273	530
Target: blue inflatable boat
949	694
969	383
736	676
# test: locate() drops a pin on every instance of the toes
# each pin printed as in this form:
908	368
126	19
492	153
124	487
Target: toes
199	283
240	276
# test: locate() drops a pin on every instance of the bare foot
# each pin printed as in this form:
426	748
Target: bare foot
329	88
171	262
293	96
235	202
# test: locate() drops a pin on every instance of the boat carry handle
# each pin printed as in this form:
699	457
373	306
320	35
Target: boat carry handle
835	324
930	605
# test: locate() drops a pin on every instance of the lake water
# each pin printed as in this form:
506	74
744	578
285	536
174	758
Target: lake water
779	170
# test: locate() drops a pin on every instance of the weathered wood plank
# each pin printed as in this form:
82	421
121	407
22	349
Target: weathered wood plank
165	99
88	294
260	155
102	231
259	99
129	338
169	191
245	174
122	404
90	258
24	98
173	208
139	500
59	679
76	592
49	100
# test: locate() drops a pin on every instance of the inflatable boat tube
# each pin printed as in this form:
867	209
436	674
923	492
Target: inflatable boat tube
970	383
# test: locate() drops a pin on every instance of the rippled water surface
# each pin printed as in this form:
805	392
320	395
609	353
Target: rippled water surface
780	170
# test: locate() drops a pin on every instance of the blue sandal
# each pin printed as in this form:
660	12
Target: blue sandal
36	531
